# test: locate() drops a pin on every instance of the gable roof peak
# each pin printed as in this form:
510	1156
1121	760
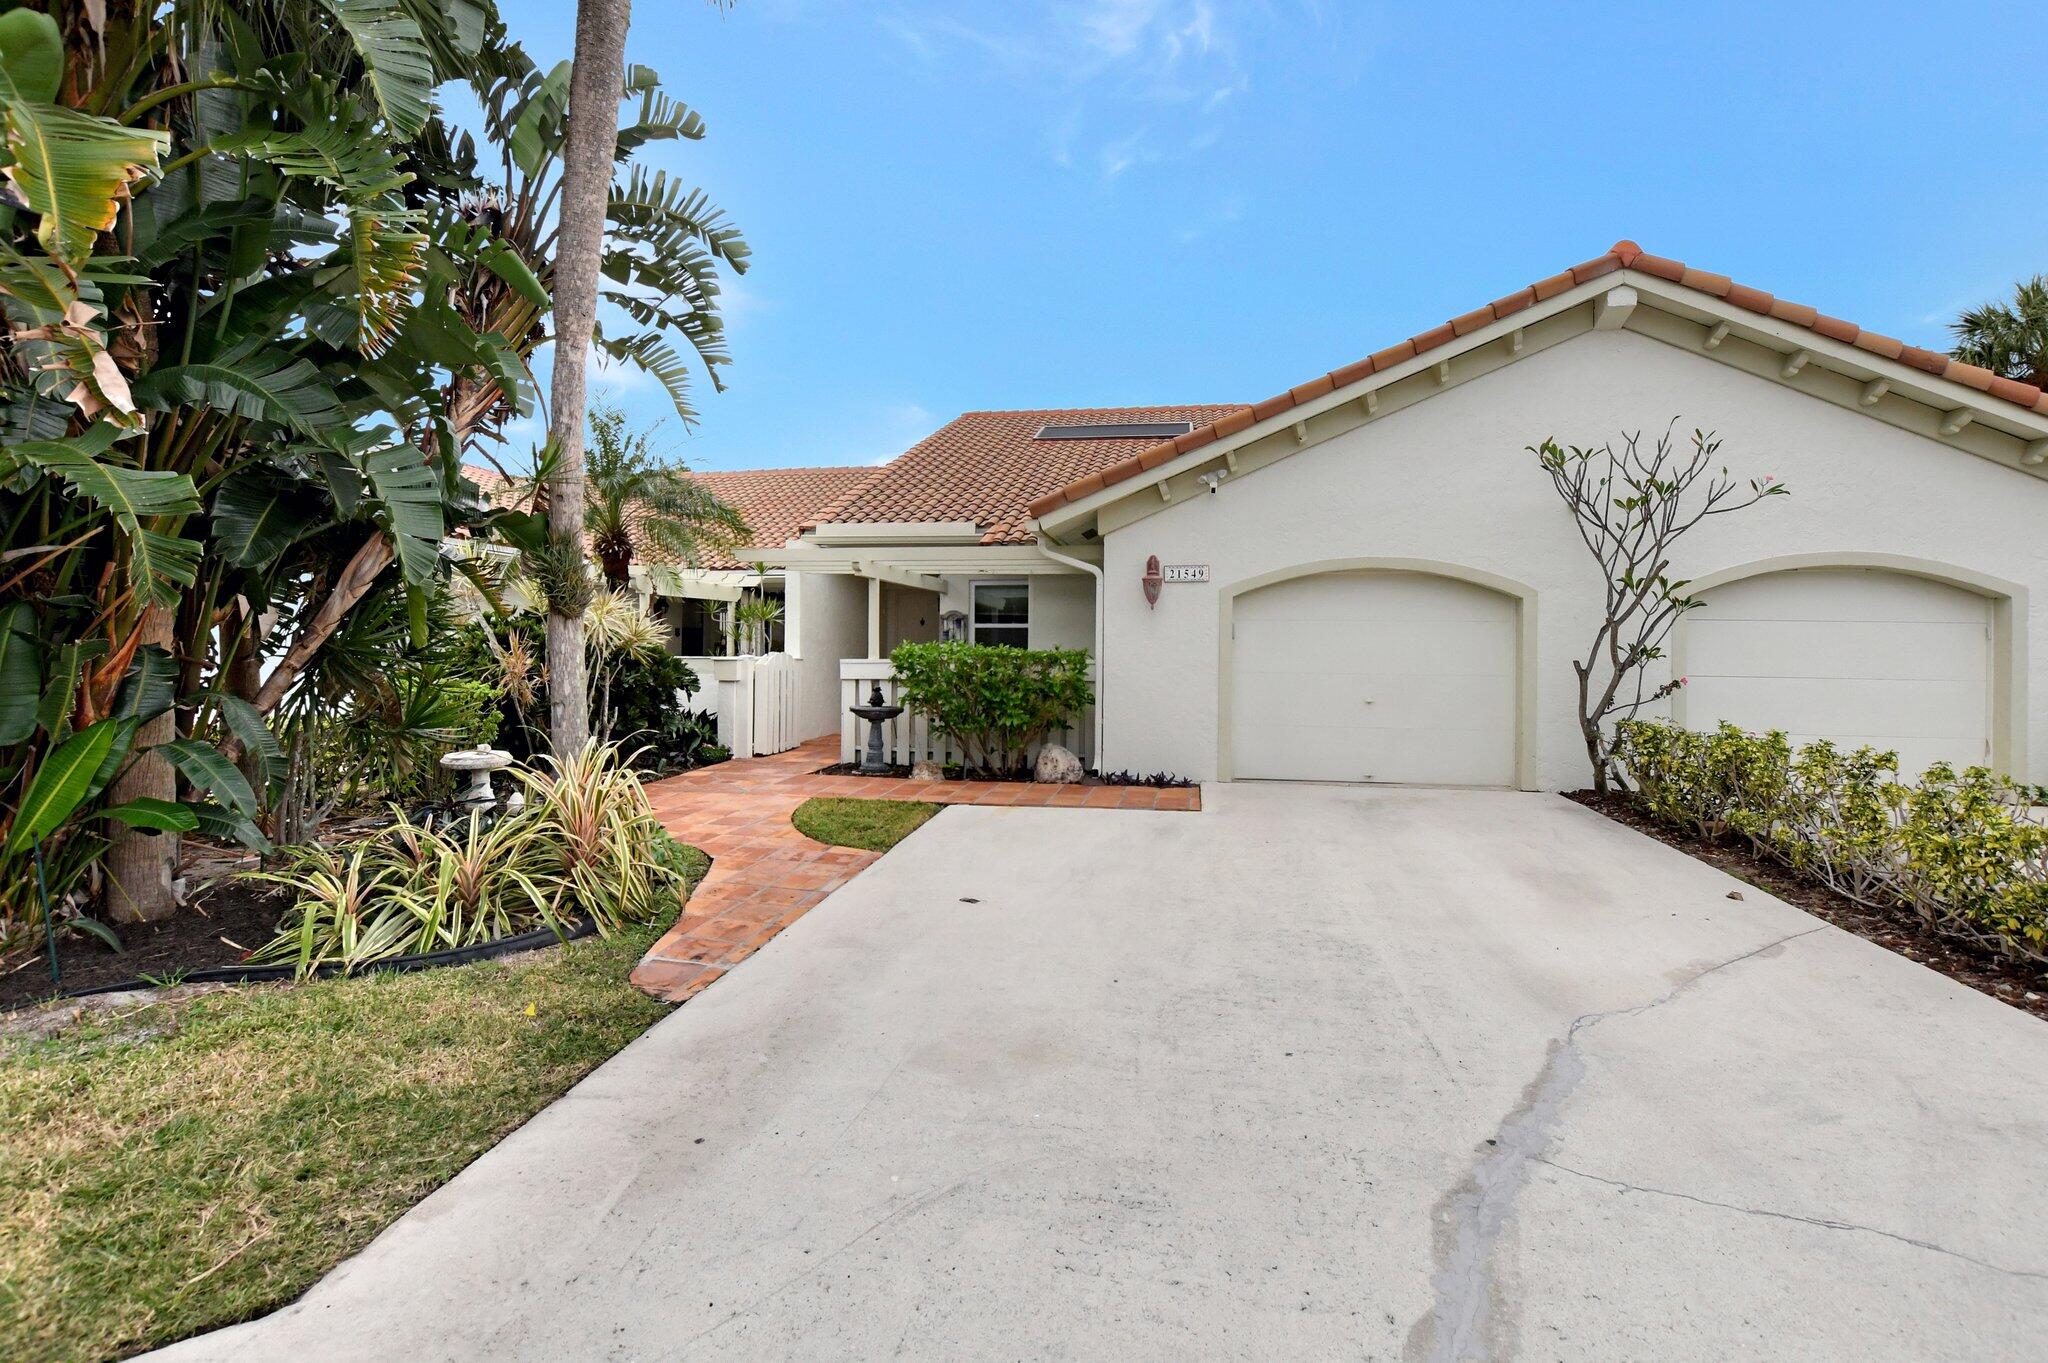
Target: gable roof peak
1623	255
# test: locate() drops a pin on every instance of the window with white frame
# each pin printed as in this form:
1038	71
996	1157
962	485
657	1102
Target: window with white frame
1002	614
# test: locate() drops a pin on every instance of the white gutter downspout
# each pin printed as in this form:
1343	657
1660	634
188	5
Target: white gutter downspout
1101	674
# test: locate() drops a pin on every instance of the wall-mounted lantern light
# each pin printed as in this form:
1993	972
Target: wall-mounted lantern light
1153	577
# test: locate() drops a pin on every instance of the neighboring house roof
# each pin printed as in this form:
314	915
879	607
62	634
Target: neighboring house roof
986	467
775	503
1623	255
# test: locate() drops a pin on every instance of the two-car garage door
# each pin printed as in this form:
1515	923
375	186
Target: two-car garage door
1412	677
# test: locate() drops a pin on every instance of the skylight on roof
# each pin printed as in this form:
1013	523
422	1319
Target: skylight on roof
1117	430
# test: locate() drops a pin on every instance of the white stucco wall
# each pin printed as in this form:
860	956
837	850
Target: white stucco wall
1449	480
1063	611
831	623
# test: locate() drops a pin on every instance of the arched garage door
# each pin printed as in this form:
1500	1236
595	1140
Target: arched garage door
1857	655
1374	676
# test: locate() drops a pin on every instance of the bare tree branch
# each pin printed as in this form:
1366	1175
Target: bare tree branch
1630	506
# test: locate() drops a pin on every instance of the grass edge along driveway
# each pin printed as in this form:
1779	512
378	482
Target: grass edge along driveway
869	825
187	1164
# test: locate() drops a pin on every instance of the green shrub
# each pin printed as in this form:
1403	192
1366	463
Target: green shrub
388	746
639	701
1965	851
587	845
642	709
994	702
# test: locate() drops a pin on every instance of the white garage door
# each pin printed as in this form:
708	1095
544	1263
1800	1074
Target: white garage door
1374	676
1854	655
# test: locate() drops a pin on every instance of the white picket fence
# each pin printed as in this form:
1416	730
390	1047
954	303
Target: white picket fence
910	738
755	700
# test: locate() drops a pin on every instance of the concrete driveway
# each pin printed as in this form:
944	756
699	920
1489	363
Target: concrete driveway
1321	1072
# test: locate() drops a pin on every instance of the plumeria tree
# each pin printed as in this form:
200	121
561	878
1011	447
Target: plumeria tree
1630	507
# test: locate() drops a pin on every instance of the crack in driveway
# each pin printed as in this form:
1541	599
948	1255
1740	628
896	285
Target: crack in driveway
1824	1222
1471	1218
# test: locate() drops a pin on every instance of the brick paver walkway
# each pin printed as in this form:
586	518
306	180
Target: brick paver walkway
765	875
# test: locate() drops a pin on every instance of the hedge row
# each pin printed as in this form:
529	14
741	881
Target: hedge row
1966	851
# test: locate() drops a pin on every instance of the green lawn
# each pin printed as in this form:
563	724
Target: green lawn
871	825
182	1166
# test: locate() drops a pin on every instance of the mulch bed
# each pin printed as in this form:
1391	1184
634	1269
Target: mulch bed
1162	781
2007	981
225	922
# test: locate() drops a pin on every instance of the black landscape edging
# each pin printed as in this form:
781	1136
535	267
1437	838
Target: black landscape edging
401	965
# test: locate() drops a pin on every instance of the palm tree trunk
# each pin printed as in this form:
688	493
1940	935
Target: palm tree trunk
587	151
140	865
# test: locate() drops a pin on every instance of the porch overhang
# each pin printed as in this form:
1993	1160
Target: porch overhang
700	584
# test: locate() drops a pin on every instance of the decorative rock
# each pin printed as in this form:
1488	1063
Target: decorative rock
927	770
1057	766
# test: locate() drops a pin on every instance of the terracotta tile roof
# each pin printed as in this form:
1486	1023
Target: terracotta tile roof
774	502
1624	254
985	467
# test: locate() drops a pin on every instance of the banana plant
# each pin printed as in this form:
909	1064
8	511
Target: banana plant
489	266
213	259
258	295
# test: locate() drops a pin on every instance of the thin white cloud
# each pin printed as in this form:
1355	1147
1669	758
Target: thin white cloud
1942	316
886	431
1221	215
1096	64
1120	155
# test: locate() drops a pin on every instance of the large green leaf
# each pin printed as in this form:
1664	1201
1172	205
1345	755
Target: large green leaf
31	55
537	131
660	119
653	207
21	671
247	724
150	686
117	755
163	816
411	494
343	155
505	263
508	371
60	684
259	512
651	353
217	822
395	54
267	384
129	495
207	768
73	170
59	339
61	784
386	247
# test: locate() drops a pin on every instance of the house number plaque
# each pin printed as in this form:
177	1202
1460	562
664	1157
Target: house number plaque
1185	572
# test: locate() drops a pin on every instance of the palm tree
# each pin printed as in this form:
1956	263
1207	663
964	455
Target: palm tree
2009	340
635	494
588	147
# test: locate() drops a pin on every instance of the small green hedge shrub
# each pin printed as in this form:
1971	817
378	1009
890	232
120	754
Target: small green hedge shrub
1965	851
994	702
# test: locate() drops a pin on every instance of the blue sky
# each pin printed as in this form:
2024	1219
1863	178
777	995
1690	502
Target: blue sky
973	205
